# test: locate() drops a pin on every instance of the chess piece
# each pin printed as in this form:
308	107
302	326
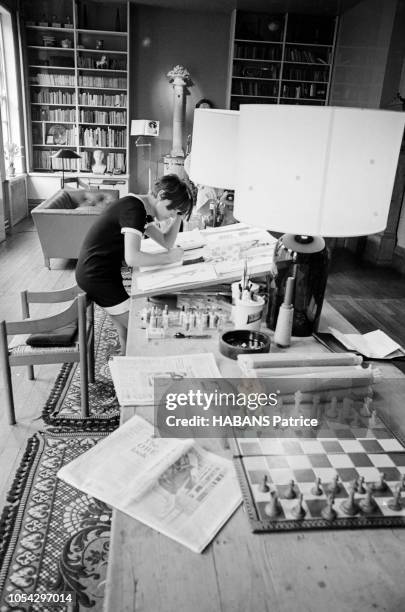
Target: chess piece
395	502
368	504
273	509
335	486
264	487
299	511
380	485
290	493
332	411
349	505
329	513
316	489
98	167
360	485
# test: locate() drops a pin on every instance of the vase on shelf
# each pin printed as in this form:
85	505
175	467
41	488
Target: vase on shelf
11	169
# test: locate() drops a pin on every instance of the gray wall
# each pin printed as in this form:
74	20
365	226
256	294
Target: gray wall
160	39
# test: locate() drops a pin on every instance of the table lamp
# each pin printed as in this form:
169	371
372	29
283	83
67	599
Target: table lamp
65	154
313	172
145	127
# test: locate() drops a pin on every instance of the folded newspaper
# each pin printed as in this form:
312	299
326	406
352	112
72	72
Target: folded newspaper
174	486
133	377
375	344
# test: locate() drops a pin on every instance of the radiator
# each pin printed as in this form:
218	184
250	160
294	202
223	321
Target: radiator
15	193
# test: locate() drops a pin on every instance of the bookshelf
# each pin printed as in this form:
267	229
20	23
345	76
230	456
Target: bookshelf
280	59
77	90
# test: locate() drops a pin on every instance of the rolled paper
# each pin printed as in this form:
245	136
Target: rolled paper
298	360
315	371
288	384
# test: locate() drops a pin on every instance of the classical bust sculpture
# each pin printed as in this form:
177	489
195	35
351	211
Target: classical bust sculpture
98	166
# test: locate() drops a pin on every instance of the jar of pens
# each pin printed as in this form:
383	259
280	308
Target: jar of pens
247	305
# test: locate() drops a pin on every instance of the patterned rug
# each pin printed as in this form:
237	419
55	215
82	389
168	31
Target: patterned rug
53	538
63	406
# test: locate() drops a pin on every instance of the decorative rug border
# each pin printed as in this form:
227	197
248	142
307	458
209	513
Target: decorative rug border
19	489
57	394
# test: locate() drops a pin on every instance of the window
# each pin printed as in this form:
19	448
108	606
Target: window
10	113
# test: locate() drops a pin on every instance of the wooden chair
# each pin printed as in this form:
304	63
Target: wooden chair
81	349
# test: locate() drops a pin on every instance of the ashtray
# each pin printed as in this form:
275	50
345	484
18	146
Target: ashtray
242	341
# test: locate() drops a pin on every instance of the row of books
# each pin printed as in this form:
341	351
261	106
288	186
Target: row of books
118	100
264	52
102	81
293	54
305	90
114	117
54	97
103	137
254	88
50	80
91	62
54	114
44	160
303	74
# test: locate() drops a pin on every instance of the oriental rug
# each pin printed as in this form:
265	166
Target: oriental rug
54	539
62	408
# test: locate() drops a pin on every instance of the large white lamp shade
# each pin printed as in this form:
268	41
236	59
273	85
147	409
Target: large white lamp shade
316	170
213	151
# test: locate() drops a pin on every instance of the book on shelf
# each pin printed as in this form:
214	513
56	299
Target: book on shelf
173	486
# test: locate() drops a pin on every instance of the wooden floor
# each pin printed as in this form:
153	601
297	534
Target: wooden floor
369	297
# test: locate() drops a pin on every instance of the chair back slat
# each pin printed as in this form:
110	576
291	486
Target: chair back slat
52	297
34	326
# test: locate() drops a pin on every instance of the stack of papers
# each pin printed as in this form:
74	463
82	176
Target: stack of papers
171	485
374	345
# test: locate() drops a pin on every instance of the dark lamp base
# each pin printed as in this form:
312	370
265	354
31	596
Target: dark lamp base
306	259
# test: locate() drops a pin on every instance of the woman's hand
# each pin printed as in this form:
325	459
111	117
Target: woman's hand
174	255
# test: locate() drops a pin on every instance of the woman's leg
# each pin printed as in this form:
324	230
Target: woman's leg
121	323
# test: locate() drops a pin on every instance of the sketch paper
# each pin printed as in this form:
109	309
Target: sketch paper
171	485
176	276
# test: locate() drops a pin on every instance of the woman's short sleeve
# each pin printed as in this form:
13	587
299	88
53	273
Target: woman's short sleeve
132	215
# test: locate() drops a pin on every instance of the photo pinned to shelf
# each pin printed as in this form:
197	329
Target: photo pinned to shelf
56	135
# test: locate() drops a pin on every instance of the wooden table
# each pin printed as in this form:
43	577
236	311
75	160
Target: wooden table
333	571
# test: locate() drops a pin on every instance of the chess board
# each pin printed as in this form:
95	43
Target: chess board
363	449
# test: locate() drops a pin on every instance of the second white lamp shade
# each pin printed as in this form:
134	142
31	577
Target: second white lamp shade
213	151
316	170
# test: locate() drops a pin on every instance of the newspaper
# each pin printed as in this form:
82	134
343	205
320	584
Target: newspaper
173	486
133	377
374	345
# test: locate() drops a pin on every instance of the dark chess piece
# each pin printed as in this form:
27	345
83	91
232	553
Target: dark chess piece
290	492
273	509
395	503
368	503
349	505
329	513
316	489
360	485
380	485
299	511
264	487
